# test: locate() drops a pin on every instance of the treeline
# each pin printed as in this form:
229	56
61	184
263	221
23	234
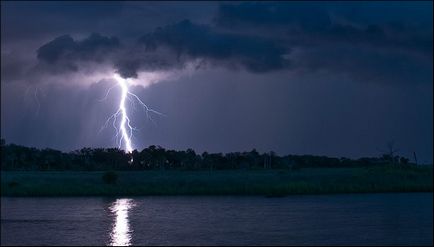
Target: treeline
15	157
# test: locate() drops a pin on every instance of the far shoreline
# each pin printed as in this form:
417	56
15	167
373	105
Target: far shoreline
225	195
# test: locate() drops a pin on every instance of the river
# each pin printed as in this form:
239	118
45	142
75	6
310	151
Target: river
347	219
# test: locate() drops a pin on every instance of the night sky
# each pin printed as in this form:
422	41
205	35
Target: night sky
337	79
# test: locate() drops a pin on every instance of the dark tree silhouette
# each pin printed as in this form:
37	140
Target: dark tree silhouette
15	157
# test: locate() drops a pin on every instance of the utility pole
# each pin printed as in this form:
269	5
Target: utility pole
271	155
267	161
415	158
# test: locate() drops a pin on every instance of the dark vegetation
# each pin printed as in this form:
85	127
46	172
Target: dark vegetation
273	183
110	177
157	171
20	158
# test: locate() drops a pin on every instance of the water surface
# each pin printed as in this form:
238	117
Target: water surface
362	219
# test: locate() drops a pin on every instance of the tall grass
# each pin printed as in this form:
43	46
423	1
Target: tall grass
235	182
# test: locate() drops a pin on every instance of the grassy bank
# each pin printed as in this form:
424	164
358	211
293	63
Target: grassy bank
238	182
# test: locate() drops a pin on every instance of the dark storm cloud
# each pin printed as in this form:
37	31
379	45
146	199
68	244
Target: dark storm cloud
332	78
67	52
181	43
303	15
390	37
261	37
341	39
308	24
308	16
190	41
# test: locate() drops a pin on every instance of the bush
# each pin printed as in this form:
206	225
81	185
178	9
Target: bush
295	167
13	184
110	177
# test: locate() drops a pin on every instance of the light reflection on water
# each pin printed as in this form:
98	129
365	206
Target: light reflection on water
121	232
354	219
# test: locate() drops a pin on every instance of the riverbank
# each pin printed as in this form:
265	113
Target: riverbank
229	182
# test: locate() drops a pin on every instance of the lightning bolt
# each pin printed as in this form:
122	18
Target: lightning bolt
37	101
124	131
35	97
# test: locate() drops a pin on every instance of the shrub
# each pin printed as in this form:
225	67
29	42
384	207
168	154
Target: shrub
13	184
110	177
295	167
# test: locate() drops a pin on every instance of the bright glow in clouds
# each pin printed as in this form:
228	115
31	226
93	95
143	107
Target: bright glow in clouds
124	131
121	233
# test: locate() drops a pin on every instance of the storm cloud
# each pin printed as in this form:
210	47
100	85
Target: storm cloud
264	37
340	39
64	51
323	78
254	53
168	47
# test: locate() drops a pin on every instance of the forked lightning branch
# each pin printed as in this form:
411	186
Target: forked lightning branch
120	119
